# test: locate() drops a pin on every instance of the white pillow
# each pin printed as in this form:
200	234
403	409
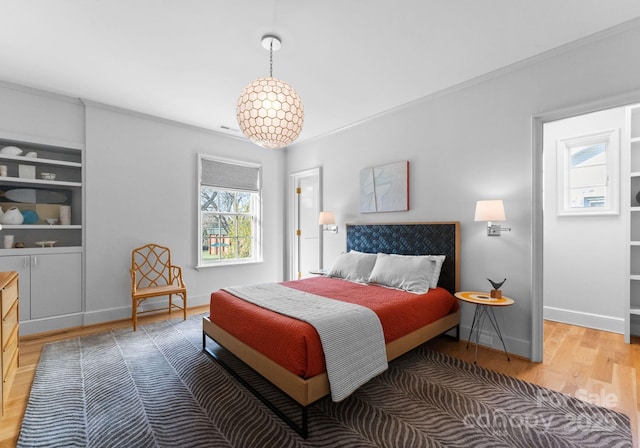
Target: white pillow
415	273
354	266
437	267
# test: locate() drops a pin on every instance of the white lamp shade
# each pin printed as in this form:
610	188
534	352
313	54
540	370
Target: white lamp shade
492	210
327	218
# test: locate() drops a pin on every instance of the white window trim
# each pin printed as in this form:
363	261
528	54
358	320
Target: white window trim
611	138
258	236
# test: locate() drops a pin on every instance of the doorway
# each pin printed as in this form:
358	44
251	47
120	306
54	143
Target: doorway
538	195
584	229
306	241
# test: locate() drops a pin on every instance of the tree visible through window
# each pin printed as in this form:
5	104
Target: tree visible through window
227	224
229	213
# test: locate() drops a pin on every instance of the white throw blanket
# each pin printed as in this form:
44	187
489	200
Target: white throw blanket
351	335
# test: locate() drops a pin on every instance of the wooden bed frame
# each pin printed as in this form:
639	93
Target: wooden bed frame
307	391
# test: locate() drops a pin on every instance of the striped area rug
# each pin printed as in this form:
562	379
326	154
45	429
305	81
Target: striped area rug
156	388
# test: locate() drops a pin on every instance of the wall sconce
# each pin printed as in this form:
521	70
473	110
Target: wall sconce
328	222
491	211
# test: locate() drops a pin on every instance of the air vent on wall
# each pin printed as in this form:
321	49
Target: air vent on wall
230	130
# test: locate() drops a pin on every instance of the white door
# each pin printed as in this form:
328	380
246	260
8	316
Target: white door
307	238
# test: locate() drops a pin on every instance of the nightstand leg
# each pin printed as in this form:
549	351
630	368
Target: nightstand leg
496	327
473	324
482	314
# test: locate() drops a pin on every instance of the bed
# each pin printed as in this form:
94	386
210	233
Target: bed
305	380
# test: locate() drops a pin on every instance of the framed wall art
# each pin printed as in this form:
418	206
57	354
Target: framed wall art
385	188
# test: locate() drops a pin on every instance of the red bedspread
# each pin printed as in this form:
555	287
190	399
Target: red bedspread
295	344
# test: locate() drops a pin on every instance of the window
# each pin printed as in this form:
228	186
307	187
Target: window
229	210
588	173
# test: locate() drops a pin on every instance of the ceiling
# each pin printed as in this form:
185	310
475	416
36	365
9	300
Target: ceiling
188	60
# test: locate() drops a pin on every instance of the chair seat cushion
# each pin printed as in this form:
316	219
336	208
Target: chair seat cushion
153	291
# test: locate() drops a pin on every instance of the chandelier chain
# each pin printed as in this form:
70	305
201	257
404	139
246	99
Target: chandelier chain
271	59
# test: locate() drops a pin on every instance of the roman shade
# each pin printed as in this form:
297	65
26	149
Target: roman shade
229	175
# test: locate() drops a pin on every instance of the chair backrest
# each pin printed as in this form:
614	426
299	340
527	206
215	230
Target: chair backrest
151	263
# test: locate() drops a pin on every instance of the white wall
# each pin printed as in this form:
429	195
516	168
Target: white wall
141	176
474	143
584	256
140	186
40	116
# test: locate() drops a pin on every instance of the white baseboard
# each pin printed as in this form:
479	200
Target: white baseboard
582	319
113	314
95	317
514	346
47	324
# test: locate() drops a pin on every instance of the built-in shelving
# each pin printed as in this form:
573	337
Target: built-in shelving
38	182
66	162
40	160
632	137
50	277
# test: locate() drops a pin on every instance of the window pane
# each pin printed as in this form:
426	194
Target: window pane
208	199
244	202
245	226
218	244
588	173
587	197
588	176
588	155
244	248
228	225
227	201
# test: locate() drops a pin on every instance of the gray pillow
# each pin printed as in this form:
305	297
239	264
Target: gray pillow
353	266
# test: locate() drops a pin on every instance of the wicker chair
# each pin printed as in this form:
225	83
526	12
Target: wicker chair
153	275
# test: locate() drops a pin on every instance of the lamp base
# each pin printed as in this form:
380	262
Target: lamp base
330	228
493	230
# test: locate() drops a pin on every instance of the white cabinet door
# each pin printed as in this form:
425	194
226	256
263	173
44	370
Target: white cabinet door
22	265
56	284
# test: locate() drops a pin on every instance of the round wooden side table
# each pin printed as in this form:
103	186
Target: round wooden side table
484	309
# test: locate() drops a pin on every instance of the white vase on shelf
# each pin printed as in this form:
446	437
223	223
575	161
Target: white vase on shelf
12	217
65	215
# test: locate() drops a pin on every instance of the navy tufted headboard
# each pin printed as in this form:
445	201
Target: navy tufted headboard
431	238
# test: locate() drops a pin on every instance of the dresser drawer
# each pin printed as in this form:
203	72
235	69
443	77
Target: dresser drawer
9	324
8	354
9	295
7	378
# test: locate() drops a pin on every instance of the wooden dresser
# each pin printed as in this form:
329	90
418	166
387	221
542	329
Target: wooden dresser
8	333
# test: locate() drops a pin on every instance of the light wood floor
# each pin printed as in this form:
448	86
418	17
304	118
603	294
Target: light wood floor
595	365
